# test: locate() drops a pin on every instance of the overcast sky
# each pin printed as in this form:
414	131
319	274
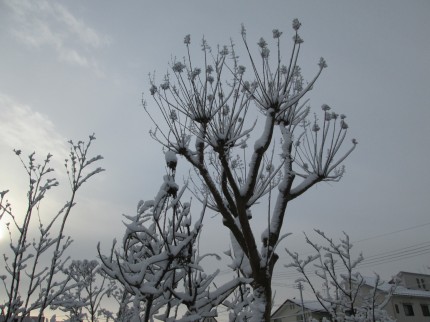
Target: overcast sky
68	69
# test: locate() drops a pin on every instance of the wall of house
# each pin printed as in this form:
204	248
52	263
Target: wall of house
290	312
413	309
415	281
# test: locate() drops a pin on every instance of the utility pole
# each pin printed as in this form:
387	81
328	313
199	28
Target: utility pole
300	287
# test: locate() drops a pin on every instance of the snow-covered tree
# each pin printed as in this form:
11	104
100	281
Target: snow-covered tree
205	108
28	284
158	262
123	299
91	286
341	290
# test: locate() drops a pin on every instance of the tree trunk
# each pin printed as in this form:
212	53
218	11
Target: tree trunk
262	305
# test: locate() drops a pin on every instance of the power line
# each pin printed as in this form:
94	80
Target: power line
367	259
392	232
381	258
402	253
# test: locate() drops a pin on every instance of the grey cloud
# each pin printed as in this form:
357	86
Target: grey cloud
50	24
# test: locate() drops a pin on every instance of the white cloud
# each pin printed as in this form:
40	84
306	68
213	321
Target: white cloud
85	34
26	129
72	56
50	24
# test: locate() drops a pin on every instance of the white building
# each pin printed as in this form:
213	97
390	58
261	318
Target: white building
410	301
411	298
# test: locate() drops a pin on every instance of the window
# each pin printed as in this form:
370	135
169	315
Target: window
397	308
425	309
350	312
418	282
408	308
421	283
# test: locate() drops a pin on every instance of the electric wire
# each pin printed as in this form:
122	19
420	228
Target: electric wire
385	257
377	259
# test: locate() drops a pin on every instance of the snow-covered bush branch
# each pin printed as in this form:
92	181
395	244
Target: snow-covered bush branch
338	286
28	285
158	262
91	286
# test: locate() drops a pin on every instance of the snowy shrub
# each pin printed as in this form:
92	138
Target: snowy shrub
345	294
158	263
91	286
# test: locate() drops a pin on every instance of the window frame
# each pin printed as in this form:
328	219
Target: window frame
408	309
396	308
425	309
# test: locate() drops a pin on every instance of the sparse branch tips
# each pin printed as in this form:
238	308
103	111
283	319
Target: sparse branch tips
206	111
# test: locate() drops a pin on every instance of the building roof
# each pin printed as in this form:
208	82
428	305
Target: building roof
412	273
313	306
310	305
399	289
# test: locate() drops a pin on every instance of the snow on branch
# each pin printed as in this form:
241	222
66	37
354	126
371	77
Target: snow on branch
206	112
158	263
337	285
29	286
